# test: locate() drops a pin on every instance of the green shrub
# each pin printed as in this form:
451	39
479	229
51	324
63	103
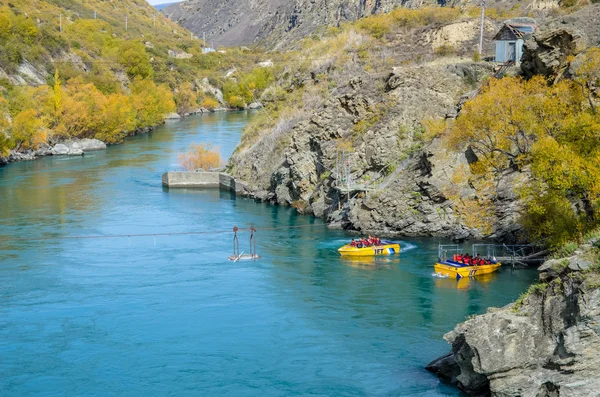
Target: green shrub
534	289
565	250
376	25
444	50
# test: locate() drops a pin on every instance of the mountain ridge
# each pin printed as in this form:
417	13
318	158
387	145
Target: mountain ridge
276	23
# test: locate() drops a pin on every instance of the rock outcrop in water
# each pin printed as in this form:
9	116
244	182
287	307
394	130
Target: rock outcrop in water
72	147
547	344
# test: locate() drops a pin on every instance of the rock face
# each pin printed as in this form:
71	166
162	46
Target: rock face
546	345
279	22
388	183
548	50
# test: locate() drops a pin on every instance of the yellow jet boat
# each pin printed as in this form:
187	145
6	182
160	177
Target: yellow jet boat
384	248
454	269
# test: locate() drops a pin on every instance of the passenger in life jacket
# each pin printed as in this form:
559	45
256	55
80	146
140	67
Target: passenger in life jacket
353	243
459	258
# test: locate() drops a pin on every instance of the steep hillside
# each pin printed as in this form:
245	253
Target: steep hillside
363	132
282	23
94	42
97	69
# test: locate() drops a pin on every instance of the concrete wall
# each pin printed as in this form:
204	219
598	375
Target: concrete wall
203	180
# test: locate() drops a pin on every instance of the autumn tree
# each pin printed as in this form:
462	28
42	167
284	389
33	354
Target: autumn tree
116	119
185	98
88	113
209	103
28	130
551	132
57	97
151	103
200	156
5	142
587	75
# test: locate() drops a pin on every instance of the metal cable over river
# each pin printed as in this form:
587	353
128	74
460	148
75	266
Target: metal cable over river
164	311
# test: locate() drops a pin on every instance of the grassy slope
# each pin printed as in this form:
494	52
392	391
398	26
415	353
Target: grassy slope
98	42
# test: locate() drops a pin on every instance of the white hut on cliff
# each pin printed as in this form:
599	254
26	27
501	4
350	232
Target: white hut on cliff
510	39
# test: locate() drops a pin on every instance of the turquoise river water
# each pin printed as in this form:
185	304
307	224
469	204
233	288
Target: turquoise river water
145	316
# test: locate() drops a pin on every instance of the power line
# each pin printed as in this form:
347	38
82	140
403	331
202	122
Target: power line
85	62
85	237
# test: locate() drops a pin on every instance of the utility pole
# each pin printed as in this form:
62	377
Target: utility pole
95	14
481	27
154	20
204	39
60	23
126	24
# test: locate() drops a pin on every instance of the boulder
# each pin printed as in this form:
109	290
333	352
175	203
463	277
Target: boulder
172	116
255	105
547	51
75	148
60	149
88	145
43	150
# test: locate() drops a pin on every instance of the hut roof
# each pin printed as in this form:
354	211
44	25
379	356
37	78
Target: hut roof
514	31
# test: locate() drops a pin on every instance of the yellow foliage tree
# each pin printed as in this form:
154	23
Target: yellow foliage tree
237	102
116	119
587	75
88	113
210	103
28	130
57	97
200	156
551	130
82	105
5	142
150	102
185	98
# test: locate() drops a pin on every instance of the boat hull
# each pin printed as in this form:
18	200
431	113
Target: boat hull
383	249
458	270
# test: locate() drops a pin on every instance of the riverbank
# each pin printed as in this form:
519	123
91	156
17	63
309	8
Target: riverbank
309	319
78	147
69	147
547	343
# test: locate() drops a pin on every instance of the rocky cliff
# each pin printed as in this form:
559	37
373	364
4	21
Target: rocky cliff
347	136
354	151
544	345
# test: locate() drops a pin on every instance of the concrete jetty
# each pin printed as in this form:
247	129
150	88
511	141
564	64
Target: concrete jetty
203	180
